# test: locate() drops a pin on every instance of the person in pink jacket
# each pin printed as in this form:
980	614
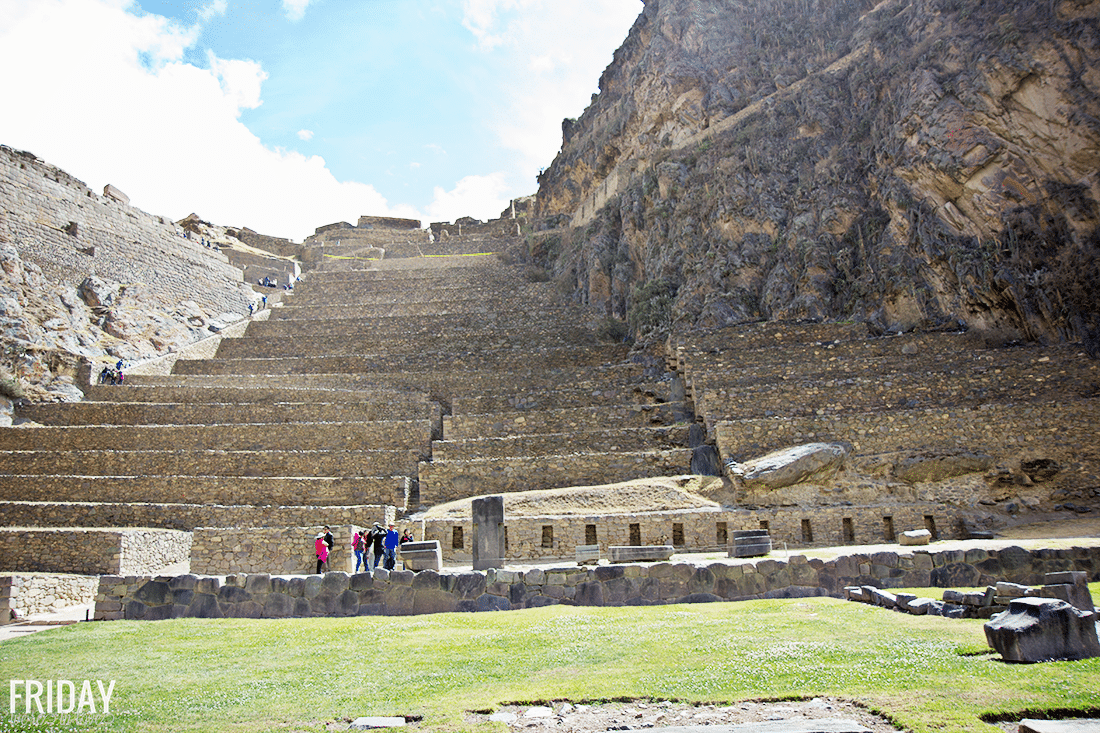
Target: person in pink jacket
320	548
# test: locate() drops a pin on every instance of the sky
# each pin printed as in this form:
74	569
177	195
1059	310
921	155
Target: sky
286	115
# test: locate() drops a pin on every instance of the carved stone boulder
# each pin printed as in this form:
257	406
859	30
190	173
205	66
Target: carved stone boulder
813	461
1040	630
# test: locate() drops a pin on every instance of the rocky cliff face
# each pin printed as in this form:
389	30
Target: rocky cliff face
915	164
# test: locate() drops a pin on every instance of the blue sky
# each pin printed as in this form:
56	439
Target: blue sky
283	115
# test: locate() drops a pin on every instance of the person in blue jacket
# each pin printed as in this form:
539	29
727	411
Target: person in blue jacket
390	546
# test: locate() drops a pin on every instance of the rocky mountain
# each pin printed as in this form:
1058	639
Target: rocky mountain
911	163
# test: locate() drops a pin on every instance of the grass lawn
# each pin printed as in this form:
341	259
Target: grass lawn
926	674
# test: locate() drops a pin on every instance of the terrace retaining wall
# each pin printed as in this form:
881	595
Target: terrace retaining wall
402	593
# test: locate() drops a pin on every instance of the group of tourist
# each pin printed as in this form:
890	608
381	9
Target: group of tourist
113	376
382	541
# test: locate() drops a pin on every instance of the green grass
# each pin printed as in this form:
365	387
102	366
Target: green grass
926	674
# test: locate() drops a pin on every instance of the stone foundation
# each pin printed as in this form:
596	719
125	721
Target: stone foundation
35	594
402	593
92	551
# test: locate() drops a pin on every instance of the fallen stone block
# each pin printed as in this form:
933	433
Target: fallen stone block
1039	630
640	553
915	537
1077	596
1012	590
417	556
586	554
919	607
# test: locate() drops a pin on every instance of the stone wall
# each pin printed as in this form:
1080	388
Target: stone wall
997	429
443	481
34	594
182	516
699	530
275	550
92	551
59	224
403	592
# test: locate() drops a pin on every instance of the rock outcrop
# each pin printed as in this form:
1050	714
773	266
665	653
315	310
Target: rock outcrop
910	163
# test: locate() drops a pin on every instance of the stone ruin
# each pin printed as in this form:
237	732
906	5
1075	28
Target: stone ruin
405	375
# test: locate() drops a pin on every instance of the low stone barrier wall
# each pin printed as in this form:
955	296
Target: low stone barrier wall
443	481
547	358
184	517
92	551
699	530
763	335
291	409
216	463
34	594
579	438
459	426
652	394
275	550
420	342
998	429
402	593
863	390
388	434
207	490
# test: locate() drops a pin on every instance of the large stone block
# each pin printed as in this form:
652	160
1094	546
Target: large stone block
640	553
1039	630
488	541
419	556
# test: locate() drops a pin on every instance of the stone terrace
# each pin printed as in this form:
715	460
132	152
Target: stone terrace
334	407
405	373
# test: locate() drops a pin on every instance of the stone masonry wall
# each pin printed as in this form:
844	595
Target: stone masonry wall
556	537
34	594
92	551
275	550
117	242
402	593
185	517
997	429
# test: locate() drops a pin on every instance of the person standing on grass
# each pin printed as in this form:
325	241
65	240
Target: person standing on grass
391	542
377	537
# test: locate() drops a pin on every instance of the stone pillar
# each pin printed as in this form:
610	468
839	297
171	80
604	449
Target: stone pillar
488	545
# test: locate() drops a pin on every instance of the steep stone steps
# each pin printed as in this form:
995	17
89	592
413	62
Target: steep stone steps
630	440
390	435
212	463
181	516
463	426
214	413
207	490
443	481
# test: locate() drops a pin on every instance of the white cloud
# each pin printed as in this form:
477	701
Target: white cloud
482	197
240	80
164	131
556	68
305	135
214	7
296	9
